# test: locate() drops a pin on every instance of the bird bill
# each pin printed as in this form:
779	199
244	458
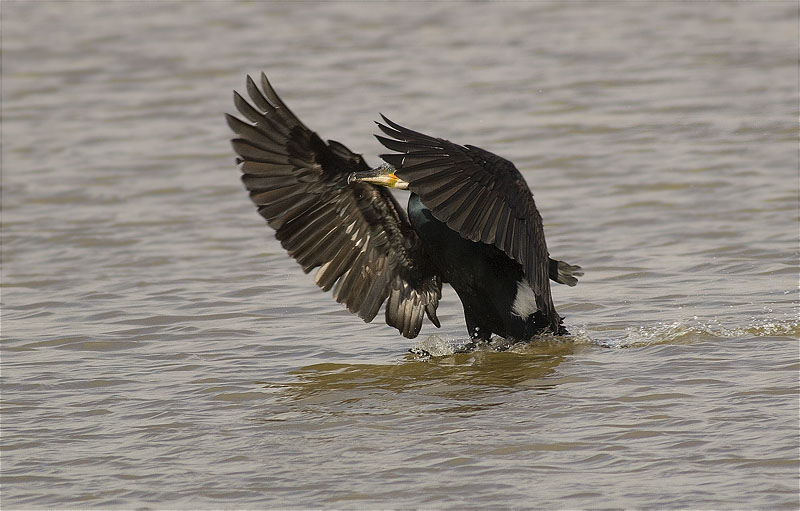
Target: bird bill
382	176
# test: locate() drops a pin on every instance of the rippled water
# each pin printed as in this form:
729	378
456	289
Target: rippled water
161	350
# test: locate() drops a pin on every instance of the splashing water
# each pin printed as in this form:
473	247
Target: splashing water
673	332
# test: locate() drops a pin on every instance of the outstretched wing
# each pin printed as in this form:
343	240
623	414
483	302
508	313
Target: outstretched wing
478	194
356	234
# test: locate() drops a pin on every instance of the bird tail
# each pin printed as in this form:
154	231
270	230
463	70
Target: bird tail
564	273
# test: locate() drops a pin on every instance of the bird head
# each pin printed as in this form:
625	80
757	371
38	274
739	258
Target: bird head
382	176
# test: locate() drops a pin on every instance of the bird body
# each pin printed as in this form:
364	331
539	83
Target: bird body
471	222
492	288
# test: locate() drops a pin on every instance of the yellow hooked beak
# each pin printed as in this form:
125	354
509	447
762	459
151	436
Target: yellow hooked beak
382	176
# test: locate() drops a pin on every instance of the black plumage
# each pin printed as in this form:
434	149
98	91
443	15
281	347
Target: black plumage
472	216
478	194
357	234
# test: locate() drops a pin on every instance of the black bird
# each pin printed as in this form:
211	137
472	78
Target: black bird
471	222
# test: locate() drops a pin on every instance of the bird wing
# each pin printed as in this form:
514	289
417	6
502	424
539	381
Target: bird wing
355	233
478	194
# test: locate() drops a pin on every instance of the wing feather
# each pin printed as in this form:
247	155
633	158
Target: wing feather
478	194
355	234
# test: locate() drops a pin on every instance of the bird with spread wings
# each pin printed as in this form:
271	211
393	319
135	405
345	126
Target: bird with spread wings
362	243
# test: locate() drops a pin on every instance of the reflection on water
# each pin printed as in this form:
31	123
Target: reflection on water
458	376
487	370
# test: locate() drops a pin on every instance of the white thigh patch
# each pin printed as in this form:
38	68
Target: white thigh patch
525	301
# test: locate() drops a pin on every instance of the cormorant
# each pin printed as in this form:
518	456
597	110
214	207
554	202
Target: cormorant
471	222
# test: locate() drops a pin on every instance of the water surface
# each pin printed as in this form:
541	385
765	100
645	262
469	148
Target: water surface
160	350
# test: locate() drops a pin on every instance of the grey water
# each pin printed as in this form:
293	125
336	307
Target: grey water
161	350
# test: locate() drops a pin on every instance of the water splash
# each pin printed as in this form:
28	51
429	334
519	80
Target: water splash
693	329
667	332
435	346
